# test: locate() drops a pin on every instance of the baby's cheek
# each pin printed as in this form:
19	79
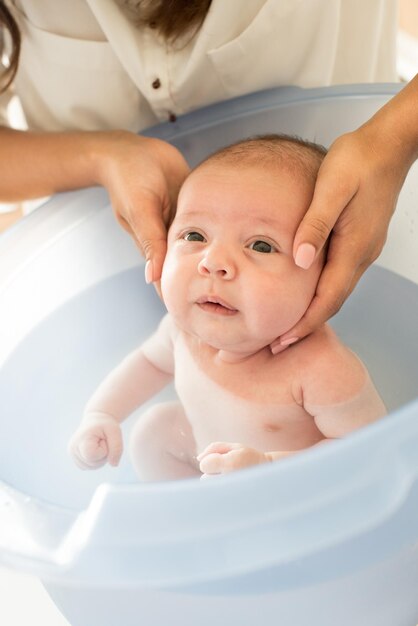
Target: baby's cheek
304	290
175	287
170	284
284	306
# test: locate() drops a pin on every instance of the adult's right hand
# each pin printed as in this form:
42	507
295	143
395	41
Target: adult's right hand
143	176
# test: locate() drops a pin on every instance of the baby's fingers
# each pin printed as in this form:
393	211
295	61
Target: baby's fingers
219	447
93	449
213	464
89	452
93	446
216	463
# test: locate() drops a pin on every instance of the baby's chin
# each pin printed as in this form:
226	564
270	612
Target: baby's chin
233	345
235	340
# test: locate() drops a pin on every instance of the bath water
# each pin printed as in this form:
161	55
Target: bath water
47	380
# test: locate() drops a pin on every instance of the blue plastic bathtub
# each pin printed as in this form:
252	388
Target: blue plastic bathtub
326	538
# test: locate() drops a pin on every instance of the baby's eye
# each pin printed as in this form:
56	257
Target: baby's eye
193	236
262	246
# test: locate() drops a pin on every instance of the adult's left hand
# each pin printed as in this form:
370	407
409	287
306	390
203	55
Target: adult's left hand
354	199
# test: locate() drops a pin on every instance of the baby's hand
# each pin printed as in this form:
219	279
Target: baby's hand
221	458
96	441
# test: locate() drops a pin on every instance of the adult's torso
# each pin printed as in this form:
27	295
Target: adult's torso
85	65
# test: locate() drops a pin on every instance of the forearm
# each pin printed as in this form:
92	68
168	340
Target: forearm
34	165
396	123
127	387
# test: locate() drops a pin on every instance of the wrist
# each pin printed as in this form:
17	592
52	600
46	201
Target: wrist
109	147
99	150
91	417
394	128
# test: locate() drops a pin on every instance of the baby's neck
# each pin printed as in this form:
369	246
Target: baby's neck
226	356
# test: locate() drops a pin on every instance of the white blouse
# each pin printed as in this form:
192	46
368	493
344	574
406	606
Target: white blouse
85	65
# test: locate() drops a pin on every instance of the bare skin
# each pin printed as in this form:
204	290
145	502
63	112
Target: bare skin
142	176
355	197
230	285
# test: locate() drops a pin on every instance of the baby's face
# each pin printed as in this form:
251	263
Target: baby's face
229	275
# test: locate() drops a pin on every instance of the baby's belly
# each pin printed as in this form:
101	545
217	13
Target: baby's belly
264	427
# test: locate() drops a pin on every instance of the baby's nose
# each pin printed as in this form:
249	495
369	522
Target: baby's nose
216	262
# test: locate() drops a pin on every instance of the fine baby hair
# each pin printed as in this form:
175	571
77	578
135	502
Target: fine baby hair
272	149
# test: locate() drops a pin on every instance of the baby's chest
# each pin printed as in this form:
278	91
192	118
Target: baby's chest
246	390
267	422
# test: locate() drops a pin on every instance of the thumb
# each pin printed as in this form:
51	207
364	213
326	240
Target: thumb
150	233
331	195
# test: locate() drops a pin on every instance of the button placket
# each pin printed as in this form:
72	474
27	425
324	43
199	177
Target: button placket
159	91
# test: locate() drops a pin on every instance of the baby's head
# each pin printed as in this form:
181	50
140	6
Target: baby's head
229	276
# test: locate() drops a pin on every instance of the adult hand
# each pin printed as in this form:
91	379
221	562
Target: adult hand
143	177
355	196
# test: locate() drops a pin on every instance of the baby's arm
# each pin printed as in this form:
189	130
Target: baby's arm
334	387
338	391
139	376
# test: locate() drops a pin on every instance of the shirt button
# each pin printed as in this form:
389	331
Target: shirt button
172	117
156	84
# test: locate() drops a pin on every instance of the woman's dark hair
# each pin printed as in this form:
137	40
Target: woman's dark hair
171	18
8	25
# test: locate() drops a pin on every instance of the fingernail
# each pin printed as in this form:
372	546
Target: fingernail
148	272
305	255
288	341
276	348
282	344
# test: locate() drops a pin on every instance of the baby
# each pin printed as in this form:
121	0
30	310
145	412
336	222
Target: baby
231	287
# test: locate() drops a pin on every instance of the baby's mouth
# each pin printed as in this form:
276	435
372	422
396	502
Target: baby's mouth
213	304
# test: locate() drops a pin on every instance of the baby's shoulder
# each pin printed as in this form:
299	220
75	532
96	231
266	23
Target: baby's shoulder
328	369
320	346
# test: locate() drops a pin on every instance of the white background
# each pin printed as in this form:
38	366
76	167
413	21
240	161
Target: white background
24	602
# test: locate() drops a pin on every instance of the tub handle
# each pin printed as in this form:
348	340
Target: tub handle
31	532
